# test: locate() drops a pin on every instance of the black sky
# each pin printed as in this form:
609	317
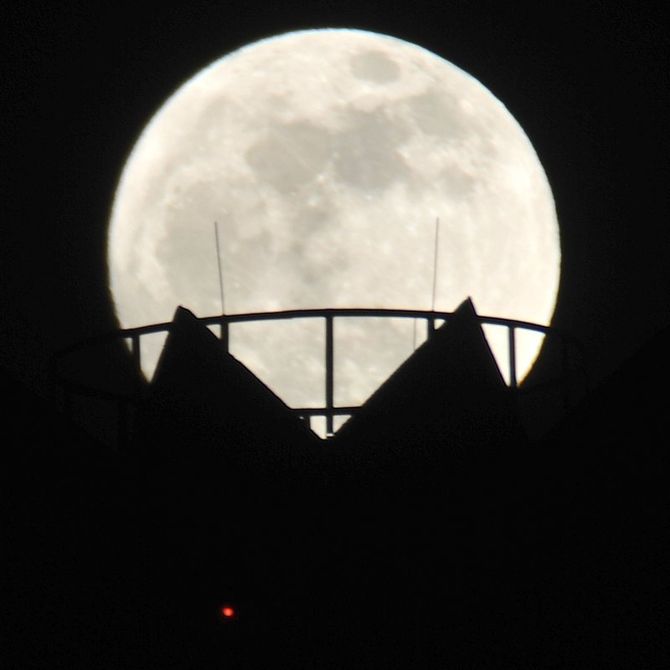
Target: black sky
588	84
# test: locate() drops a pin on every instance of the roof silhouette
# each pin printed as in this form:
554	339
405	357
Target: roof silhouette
428	533
202	399
447	399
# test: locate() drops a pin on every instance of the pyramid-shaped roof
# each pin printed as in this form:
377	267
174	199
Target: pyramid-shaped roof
201	397
449	395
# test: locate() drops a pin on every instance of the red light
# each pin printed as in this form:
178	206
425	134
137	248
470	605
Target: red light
228	612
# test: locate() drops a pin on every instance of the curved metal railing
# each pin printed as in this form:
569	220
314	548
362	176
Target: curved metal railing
568	346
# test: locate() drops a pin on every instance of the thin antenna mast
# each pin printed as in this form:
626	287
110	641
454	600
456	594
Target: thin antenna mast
218	263
435	249
224	323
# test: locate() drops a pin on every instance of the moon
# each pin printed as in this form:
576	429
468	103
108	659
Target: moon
325	157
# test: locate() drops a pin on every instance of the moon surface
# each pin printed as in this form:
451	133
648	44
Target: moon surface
326	157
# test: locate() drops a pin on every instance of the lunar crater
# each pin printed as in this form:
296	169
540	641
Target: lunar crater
439	115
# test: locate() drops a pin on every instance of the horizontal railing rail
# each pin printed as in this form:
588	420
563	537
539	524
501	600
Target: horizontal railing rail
569	348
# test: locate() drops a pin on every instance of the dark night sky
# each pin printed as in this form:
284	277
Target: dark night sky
589	86
588	81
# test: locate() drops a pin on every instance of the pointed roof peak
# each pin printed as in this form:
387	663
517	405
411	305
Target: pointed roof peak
185	315
450	390
458	343
201	395
467	306
464	318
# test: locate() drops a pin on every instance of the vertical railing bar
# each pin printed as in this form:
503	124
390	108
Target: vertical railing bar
329	374
430	326
224	333
511	341
136	353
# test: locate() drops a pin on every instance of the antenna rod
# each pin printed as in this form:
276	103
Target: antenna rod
437	241
218	262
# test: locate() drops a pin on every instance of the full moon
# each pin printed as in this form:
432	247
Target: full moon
327	161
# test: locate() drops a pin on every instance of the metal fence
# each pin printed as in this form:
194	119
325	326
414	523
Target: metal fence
568	348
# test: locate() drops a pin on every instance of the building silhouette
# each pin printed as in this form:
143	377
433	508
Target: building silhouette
430	531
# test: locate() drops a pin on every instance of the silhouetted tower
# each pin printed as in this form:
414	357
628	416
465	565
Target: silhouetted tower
386	545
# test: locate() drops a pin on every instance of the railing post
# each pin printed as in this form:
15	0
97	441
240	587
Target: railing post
329	374
430	327
511	345
224	333
136	353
